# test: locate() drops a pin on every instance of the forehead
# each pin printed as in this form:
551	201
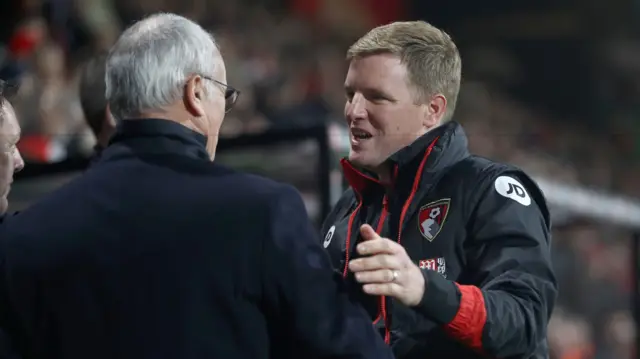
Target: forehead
376	71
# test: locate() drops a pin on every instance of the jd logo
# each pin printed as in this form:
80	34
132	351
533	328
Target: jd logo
510	188
519	191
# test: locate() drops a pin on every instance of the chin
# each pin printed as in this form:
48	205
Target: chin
361	160
355	158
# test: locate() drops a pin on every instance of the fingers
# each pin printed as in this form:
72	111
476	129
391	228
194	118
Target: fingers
373	244
380	261
375	276
391	289
378	245
368	233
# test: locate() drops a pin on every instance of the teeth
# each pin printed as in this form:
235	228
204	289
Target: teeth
359	134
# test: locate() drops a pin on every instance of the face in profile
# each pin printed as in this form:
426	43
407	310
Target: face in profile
208	98
216	102
380	109
10	159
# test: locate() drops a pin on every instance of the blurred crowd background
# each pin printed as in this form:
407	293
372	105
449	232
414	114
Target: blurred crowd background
552	86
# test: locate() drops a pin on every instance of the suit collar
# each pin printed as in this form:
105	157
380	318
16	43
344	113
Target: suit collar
157	137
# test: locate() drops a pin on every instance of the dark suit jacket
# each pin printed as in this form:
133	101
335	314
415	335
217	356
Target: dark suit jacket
6	347
155	252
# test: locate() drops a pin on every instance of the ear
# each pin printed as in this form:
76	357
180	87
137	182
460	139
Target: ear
434	111
193	96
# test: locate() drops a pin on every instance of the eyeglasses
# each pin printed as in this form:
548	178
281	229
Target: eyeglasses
230	94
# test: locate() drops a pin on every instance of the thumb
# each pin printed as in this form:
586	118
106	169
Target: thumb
368	233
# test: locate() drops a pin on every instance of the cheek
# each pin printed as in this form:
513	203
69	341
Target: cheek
5	158
216	106
386	120
408	121
6	164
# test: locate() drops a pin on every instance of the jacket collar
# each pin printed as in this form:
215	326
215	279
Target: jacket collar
158	137
434	151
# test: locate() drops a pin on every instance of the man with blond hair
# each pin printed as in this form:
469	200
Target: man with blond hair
449	252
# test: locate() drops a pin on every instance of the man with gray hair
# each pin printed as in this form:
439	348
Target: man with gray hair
155	252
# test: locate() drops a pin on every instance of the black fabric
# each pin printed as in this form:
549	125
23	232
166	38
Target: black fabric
484	239
156	252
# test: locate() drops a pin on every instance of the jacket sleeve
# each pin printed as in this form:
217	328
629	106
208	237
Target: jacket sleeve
506	313
307	297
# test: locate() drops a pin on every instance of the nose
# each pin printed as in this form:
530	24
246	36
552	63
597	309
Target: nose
18	161
356	108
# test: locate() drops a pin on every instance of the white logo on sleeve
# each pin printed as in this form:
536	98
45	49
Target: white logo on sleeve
510	188
327	238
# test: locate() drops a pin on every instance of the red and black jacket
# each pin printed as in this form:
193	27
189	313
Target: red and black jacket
479	230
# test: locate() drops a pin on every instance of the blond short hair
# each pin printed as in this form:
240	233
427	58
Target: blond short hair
431	57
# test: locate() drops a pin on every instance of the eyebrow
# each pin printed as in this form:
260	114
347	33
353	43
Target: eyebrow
366	90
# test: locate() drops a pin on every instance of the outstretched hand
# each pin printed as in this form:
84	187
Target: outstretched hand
386	269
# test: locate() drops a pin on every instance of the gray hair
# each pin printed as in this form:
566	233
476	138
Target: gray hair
151	61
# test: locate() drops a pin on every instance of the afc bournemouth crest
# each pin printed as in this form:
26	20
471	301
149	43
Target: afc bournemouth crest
432	216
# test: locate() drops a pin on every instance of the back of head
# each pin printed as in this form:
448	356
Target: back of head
147	68
92	93
430	55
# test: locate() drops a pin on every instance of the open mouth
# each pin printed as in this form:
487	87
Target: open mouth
359	134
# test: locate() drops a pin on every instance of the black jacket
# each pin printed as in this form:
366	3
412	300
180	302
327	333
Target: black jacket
479	230
6	346
155	252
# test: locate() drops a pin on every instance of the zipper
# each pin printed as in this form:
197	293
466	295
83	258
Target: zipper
383	299
383	303
347	256
405	209
383	216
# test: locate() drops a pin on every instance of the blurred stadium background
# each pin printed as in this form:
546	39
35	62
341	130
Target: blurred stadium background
552	86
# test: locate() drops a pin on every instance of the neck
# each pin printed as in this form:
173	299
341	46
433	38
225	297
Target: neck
212	140
103	139
177	117
105	134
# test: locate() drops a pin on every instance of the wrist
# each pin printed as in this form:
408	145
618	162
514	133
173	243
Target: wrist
440	299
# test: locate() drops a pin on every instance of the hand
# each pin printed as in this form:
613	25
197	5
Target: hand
387	270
